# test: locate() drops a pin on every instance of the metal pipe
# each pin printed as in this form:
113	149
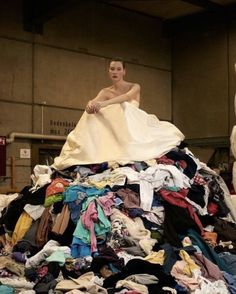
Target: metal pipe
14	135
42	116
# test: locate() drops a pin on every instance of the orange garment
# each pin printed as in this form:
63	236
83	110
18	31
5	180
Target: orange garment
61	221
57	186
45	226
211	237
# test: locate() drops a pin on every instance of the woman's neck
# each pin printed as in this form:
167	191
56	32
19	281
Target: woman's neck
120	85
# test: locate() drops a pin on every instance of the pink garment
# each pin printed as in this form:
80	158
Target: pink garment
178	199
209	270
88	218
106	202
177	272
165	160
199	180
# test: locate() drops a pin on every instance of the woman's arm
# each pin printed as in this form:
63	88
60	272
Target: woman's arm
130	95
101	100
92	104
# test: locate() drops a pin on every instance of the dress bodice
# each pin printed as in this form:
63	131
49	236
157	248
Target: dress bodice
135	103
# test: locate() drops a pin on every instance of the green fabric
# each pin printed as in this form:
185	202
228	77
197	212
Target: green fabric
172	188
53	199
57	256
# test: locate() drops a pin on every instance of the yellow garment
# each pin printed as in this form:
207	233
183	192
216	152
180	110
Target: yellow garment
233	141
156	257
118	132
22	226
186	241
99	185
84	283
191	266
102	180
12	266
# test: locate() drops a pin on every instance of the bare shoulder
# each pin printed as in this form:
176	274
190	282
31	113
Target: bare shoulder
107	89
106	93
134	86
102	95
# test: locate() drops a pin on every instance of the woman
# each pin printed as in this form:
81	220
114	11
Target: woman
113	128
119	92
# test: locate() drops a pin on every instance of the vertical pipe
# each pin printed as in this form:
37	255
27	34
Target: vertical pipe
42	117
13	173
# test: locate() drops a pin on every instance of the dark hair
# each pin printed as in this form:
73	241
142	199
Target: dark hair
118	59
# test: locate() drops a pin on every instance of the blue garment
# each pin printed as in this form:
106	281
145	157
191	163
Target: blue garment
206	250
181	290
83	171
79	248
76	206
231	282
230	261
157	201
118	201
113	268
135	212
6	289
71	193
170	257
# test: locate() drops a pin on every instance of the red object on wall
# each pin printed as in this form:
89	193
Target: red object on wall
2	156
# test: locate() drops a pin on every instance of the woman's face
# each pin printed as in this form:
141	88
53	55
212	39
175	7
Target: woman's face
116	71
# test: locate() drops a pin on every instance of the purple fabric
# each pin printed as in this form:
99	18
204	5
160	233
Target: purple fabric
18	256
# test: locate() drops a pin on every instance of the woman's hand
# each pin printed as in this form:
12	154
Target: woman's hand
93	107
96	106
89	108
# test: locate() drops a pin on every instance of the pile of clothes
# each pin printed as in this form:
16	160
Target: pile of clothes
166	225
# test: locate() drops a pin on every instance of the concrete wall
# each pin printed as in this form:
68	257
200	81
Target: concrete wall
204	86
47	79
204	80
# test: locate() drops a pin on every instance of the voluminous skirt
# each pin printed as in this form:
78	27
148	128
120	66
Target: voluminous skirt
118	132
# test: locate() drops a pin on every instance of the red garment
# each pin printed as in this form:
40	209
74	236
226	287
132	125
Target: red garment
178	199
57	186
182	164
212	208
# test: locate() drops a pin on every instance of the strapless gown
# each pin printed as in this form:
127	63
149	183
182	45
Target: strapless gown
118	132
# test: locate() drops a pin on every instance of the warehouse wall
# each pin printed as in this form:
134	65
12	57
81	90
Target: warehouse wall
204	86
204	80
47	79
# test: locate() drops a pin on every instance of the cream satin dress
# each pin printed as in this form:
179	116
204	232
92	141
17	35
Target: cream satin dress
118	132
